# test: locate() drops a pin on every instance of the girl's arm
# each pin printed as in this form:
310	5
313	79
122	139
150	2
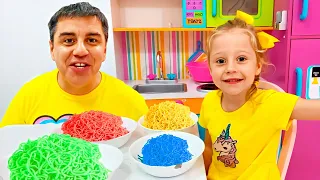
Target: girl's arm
207	154
306	110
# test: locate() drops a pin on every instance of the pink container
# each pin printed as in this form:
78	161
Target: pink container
199	71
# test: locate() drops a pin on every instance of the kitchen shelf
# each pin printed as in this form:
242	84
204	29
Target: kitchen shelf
175	29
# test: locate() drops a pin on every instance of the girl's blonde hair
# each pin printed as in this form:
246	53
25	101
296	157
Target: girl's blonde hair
252	33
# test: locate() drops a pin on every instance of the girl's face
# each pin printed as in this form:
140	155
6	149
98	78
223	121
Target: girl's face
233	62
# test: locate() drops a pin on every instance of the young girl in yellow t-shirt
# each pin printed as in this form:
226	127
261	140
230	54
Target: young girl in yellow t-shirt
243	123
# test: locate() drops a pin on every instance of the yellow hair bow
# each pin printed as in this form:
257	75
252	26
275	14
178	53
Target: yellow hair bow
266	40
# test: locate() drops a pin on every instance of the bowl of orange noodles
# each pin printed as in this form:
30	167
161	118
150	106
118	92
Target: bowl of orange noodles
100	127
168	116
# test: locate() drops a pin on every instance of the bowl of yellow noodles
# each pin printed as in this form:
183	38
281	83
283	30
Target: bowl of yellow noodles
168	116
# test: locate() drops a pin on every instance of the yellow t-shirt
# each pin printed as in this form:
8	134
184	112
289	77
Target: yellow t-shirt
245	141
42	101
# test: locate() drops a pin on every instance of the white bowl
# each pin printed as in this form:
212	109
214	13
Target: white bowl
130	125
12	136
195	147
111	158
193	116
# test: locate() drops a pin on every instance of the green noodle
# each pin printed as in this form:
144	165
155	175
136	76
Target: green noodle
58	157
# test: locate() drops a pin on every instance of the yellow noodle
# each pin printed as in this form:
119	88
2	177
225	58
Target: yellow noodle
168	115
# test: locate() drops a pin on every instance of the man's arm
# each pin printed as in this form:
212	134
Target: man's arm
138	106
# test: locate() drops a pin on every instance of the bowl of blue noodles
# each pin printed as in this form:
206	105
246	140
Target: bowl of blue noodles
166	154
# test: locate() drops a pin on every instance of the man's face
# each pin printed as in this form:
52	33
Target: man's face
78	48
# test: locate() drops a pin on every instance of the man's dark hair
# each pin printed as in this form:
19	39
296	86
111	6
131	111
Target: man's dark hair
81	9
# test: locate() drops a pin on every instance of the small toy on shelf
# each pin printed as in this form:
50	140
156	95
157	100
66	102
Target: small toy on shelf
171	76
152	76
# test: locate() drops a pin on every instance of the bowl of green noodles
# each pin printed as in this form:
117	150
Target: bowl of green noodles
60	156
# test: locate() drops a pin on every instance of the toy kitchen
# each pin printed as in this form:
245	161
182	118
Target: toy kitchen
159	49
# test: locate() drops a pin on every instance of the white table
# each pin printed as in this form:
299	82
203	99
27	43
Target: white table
130	171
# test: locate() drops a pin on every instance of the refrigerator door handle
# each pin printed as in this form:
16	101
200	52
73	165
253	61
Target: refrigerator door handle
299	82
304	13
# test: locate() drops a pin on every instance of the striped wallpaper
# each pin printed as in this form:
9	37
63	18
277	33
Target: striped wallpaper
139	51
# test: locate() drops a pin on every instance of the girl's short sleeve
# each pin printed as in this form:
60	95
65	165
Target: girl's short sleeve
281	106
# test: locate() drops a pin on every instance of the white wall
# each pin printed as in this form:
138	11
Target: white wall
24	44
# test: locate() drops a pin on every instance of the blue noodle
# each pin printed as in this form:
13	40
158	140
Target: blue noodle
165	150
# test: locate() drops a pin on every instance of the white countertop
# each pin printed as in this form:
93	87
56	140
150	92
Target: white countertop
130	171
191	90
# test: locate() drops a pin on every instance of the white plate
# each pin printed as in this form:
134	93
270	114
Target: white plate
12	136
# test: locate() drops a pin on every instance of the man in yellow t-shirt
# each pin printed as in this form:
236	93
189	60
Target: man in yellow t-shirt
78	38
